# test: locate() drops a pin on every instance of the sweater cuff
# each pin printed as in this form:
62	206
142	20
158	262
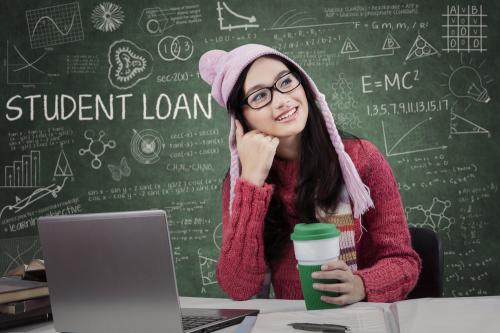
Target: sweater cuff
376	290
252	200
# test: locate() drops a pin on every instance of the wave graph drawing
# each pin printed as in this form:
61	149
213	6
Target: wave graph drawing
54	25
41	20
40	193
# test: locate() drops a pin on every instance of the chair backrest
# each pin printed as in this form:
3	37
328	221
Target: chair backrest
428	245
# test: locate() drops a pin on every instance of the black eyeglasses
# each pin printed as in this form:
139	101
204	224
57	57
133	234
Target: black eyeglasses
262	97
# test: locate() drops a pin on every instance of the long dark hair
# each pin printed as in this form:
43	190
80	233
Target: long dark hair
320	176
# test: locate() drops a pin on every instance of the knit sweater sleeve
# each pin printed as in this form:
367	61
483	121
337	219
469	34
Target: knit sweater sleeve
391	267
241	267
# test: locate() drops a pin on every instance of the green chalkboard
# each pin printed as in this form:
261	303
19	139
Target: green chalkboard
103	109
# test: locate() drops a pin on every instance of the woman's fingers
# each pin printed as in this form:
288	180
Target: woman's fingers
335	287
339	300
336	264
350	287
332	275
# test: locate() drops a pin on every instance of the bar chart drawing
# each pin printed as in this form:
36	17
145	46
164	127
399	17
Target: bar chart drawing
24	173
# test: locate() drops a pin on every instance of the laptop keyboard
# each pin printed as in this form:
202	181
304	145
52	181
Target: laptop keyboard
189	322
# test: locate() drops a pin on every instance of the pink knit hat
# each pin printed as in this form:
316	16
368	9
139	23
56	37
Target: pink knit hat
221	69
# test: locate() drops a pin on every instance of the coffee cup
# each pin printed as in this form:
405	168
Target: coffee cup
315	244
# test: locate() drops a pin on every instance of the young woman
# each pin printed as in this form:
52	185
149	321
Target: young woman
289	164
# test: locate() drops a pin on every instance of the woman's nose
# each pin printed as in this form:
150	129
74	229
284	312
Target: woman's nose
280	99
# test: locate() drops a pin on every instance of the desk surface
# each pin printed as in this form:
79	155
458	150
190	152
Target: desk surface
423	315
265	306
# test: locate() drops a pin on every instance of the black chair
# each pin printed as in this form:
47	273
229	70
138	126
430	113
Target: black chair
428	245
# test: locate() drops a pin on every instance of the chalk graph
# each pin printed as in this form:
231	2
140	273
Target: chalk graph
26	70
245	22
39	193
54	25
401	151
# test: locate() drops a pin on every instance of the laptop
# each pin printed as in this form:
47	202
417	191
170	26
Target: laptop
114	272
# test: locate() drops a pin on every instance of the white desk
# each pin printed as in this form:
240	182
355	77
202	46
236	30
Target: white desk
440	315
265	306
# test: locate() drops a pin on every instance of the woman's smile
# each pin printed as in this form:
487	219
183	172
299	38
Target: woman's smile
288	116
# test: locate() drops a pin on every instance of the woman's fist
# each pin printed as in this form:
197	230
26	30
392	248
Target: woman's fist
256	151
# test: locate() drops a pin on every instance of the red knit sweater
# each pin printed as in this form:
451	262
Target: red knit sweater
386	261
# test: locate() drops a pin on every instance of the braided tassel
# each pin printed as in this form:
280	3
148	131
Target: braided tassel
234	169
358	191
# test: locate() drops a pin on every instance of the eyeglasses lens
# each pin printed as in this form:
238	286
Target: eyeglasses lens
262	97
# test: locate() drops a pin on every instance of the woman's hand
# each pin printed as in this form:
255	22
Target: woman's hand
256	151
350	287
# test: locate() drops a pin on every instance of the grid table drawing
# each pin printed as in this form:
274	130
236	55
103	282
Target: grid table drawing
54	25
464	28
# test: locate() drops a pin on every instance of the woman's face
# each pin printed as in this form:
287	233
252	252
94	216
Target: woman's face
286	115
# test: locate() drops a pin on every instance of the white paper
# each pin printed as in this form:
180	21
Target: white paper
457	315
361	319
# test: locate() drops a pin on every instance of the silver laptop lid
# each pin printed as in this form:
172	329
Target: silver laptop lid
84	256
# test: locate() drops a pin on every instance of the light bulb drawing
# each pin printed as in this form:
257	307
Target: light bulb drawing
465	82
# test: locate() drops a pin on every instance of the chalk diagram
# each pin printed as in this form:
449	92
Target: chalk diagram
207	271
62	169
291	19
421	49
343	100
146	146
36	195
342	94
462	126
392	151
390	44
119	171
467	84
294	19
26	174
217	236
22	71
465	81
347	120
128	64
223	7
464	28
54	25
107	17
175	48
155	21
97	147
433	217
31	251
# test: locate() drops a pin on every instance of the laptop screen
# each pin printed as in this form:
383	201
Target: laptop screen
111	271
114	272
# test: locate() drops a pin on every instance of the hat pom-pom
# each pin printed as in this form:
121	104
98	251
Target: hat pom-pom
208	64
